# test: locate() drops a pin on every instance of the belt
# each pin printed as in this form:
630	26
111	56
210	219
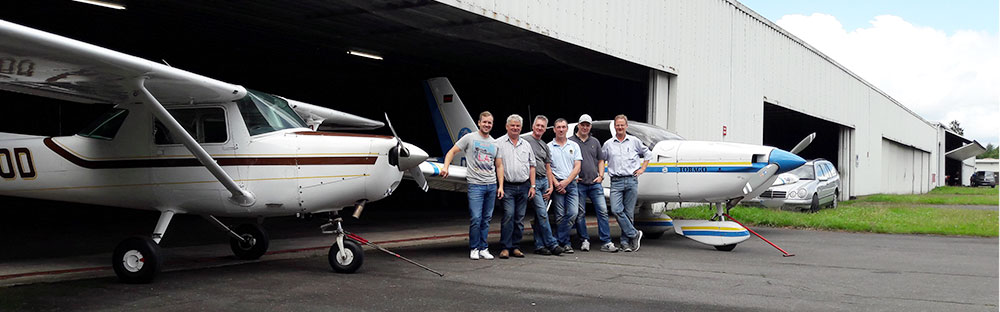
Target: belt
514	183
622	176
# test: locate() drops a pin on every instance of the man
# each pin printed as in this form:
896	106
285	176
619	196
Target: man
545	243
626	163
483	168
516	185
565	166
591	175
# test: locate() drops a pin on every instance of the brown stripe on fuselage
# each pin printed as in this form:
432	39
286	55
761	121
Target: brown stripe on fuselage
193	162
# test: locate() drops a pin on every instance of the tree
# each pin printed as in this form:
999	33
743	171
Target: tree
991	152
956	127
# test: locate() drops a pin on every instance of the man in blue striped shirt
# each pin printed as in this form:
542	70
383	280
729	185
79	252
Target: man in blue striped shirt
626	162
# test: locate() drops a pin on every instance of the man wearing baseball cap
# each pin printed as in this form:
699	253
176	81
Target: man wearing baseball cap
589	180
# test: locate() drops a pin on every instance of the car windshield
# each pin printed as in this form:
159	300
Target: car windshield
265	113
647	133
804	172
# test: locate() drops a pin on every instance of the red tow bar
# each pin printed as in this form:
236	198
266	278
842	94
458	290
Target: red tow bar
786	254
379	248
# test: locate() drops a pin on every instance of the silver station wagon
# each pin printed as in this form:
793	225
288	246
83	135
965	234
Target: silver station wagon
808	188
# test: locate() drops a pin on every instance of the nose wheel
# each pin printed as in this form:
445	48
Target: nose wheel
345	255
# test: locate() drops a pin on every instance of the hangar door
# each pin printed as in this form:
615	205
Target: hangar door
905	169
784	128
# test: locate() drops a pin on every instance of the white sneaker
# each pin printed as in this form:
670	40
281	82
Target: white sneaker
485	254
474	255
638	237
609	247
585	246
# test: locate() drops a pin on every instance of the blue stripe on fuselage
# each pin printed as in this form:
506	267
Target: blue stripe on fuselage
706	169
716	233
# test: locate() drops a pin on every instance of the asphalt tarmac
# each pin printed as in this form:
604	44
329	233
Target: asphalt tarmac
831	271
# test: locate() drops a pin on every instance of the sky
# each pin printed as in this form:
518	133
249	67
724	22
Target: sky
940	59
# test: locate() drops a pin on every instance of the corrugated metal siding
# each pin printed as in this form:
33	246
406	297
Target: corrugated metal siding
728	61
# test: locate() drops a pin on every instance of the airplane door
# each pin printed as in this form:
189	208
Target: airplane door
180	181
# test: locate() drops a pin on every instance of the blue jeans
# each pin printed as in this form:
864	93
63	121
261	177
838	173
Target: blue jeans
566	208
596	194
542	230
482	198
624	193
515	202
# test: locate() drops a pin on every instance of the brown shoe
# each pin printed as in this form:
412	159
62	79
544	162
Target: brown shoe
505	254
518	254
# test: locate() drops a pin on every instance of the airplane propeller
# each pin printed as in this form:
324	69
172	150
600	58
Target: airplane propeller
803	144
407	157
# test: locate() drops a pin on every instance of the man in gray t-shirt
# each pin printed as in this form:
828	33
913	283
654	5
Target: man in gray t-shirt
483	163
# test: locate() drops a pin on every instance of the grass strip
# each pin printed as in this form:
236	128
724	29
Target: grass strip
864	217
964	190
930	199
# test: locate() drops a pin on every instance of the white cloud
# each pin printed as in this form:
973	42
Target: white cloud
942	77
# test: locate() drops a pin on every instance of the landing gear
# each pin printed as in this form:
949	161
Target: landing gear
248	241
347	259
254	243
345	254
136	260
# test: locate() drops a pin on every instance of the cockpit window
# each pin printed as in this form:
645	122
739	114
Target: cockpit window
647	133
106	127
265	113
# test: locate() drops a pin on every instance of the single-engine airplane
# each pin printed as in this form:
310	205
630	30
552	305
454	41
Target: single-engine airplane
177	142
680	170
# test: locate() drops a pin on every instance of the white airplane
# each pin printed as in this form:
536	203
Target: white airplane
177	142
679	171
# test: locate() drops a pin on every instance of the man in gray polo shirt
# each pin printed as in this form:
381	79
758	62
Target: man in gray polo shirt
591	175
545	243
516	185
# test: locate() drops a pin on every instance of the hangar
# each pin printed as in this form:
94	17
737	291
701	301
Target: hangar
705	69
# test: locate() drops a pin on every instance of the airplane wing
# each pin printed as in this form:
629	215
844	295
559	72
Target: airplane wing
455	182
44	64
322	118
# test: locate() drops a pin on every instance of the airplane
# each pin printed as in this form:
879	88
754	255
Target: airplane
680	170
181	143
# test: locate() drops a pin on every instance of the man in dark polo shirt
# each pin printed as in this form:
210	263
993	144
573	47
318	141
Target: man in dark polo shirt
545	243
590	187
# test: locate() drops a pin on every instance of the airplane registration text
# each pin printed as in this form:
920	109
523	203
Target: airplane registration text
22	158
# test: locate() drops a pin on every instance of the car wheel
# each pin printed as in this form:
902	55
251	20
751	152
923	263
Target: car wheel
836	198
814	207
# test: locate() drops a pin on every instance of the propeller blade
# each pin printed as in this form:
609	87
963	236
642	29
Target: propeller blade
418	176
798	147
390	127
760	181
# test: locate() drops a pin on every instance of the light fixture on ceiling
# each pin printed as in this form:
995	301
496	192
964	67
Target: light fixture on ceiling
363	54
104	3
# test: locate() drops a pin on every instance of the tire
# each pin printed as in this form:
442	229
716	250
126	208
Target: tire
137	260
814	206
652	235
258	242
729	247
353	257
836	199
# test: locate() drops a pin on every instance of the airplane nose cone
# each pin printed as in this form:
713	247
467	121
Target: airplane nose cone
415	157
786	161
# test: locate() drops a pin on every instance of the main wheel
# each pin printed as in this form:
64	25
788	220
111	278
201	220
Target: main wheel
348	260
725	247
137	260
255	245
814	206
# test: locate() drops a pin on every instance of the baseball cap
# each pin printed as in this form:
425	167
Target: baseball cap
585	118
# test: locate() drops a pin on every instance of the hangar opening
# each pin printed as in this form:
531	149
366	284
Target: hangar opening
784	128
299	50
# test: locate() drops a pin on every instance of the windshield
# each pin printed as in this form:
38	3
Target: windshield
265	113
647	133
804	172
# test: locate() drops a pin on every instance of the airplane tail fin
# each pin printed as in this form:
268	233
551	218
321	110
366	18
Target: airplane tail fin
451	119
